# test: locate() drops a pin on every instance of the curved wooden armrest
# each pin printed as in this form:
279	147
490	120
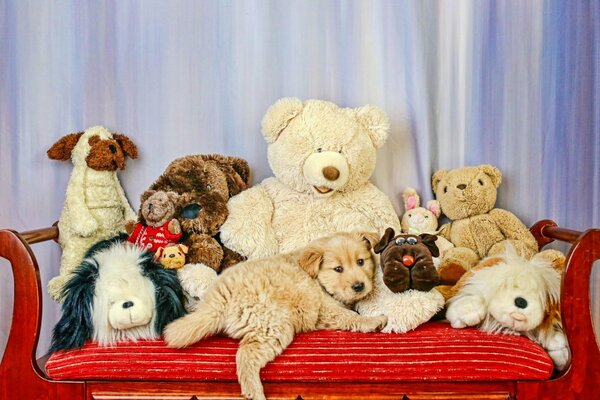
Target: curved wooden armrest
576	312
19	372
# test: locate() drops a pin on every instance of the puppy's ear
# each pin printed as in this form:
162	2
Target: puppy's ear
310	260
128	147
429	241
62	149
371	238
183	248
159	253
385	239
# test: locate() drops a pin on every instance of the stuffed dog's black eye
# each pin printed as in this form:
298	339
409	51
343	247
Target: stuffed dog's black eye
411	240
360	262
480	182
191	211
400	241
339	269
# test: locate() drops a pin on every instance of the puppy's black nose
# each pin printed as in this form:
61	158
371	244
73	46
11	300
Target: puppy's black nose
358	287
128	304
462	186
112	148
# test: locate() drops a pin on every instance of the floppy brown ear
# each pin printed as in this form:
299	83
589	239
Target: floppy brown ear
310	260
371	238
62	149
146	195
429	241
128	147
236	170
385	239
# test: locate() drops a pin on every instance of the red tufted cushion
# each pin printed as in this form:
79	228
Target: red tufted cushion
434	351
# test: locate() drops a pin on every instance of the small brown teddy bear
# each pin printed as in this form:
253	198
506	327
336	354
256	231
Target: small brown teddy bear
204	184
467	196
407	261
157	226
172	256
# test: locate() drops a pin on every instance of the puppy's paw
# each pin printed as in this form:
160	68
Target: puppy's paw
196	278
372	324
466	311
252	390
176	334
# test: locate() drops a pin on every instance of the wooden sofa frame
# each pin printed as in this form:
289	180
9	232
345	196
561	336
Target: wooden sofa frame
23	377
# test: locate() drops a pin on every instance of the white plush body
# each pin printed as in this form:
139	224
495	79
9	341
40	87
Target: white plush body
95	209
305	200
124	300
515	296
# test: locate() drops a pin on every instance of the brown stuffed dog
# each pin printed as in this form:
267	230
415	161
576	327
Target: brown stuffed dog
406	261
204	184
96	207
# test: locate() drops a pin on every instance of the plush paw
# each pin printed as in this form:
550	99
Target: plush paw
195	279
466	311
558	350
55	287
85	227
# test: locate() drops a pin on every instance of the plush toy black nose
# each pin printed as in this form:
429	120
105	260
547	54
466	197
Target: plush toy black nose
112	148
358	287
520	302
128	304
462	186
191	211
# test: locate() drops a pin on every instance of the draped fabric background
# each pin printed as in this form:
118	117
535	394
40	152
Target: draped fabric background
513	83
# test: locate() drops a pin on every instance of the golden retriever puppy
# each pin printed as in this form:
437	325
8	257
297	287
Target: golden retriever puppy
264	303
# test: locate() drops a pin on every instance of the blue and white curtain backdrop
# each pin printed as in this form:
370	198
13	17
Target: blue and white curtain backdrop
511	83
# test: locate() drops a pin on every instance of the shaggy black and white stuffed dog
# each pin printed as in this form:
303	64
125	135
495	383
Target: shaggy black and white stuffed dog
117	293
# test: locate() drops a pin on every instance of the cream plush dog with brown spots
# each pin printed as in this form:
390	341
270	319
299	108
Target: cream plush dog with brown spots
265	302
95	206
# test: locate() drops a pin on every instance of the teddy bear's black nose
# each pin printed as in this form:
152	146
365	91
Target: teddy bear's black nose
520	302
462	186
358	287
128	304
112	148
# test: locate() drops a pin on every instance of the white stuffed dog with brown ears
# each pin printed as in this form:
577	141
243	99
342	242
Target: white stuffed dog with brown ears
95	207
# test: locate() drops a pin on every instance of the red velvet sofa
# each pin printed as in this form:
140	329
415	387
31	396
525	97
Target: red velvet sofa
432	362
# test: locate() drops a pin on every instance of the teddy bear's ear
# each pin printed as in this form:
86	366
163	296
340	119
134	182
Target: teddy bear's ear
385	239
237	171
146	195
437	177
62	149
278	116
493	172
376	122
411	199
128	147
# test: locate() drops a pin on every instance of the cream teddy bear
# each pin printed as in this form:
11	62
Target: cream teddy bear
322	157
467	196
